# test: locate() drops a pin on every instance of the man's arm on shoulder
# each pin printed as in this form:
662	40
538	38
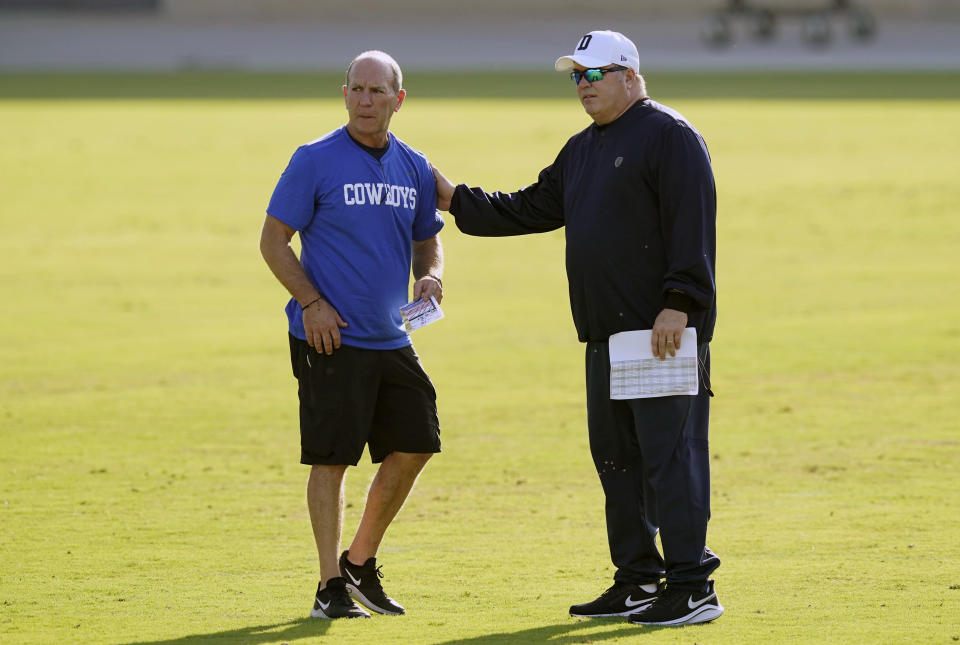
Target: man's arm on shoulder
320	320
428	269
535	209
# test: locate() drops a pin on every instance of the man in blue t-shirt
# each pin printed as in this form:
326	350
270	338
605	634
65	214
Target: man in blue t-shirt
364	206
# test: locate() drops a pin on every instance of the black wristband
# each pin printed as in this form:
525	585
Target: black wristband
311	303
439	281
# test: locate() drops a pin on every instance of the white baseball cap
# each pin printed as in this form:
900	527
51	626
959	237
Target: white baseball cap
599	49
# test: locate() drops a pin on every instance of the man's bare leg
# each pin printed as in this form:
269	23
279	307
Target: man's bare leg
390	487
325	501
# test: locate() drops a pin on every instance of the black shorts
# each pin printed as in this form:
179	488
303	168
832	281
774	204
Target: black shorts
356	397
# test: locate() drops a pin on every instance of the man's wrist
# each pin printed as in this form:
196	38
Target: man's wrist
311	303
434	276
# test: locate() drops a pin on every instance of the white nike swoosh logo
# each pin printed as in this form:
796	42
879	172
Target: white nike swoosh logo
631	603
323	605
356	581
694	605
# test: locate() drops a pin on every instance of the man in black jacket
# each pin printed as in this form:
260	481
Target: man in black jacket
635	191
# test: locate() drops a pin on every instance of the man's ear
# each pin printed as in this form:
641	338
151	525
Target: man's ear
400	96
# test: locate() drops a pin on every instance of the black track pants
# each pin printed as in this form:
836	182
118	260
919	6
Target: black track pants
653	460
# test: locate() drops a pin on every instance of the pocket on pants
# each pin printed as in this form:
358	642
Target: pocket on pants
321	403
319	429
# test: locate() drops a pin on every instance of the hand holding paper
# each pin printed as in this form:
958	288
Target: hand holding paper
635	373
420	313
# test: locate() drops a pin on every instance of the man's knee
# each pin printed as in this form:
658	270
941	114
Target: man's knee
411	460
325	474
328	469
418	458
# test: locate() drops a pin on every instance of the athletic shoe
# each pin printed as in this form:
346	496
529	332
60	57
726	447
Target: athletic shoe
682	605
333	601
363	582
622	599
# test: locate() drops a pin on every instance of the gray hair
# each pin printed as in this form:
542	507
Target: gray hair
643	83
383	57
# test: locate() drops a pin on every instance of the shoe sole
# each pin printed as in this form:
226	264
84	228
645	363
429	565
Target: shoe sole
318	613
359	597
621	614
701	615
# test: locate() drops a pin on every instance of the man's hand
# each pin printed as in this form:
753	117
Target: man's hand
667	329
322	324
427	286
444	191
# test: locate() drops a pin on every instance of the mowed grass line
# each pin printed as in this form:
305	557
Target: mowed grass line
506	83
149	490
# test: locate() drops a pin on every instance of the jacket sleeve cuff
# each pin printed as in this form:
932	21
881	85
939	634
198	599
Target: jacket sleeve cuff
455	200
680	301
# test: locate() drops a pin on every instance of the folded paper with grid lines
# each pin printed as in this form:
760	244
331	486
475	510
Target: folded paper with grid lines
636	374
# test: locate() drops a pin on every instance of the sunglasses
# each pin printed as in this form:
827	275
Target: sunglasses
595	74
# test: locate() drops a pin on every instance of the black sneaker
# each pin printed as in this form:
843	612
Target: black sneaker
333	601
364	584
622	599
682	605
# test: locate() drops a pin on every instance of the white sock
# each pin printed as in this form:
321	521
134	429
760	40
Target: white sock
649	588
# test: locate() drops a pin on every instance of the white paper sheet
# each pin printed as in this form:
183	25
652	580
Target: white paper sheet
636	374
420	313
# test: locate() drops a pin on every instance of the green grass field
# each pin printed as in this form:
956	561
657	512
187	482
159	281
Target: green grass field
149	485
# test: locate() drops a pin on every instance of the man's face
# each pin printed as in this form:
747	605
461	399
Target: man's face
371	101
606	99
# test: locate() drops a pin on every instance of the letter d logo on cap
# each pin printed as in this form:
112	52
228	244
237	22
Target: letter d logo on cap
584	42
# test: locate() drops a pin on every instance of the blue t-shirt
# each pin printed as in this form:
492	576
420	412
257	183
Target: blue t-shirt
357	218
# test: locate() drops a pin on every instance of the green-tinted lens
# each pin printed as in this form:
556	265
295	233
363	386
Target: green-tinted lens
593	75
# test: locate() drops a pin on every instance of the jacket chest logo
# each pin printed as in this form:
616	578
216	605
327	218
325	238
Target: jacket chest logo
617	162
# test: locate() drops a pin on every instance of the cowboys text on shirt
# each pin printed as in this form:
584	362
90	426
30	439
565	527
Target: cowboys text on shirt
379	193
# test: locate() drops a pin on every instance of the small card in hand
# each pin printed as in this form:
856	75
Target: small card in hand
420	313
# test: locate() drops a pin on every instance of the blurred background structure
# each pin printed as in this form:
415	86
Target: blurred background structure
168	35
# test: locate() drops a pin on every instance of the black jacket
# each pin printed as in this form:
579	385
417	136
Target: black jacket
638	201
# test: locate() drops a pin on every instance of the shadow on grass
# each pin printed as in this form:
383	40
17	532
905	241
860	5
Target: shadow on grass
280	632
561	634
